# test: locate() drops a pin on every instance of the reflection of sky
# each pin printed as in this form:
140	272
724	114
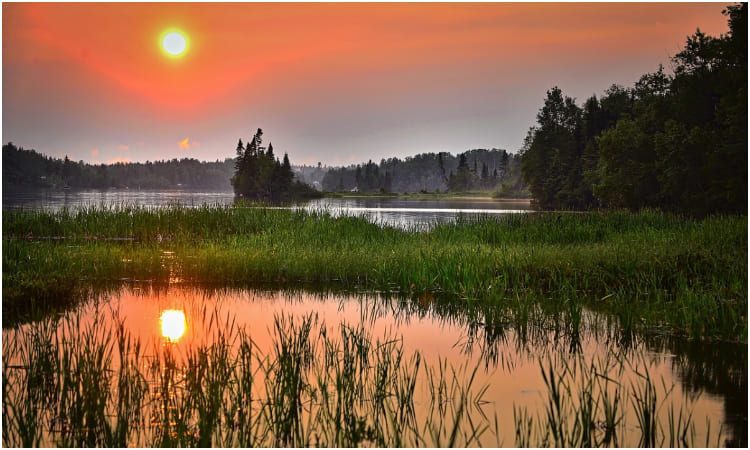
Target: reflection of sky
515	379
417	213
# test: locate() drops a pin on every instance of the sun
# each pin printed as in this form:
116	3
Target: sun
174	42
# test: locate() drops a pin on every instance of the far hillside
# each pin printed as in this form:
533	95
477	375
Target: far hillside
30	169
495	171
492	170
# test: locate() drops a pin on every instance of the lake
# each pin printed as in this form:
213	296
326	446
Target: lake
176	364
495	360
402	212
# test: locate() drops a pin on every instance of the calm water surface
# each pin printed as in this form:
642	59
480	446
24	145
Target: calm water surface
392	211
708	380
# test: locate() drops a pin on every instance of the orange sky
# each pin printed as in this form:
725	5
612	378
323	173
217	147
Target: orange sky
328	82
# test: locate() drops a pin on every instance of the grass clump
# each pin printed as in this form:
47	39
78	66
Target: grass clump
608	402
650	268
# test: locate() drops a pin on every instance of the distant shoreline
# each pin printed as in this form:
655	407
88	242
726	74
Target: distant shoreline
488	196
429	195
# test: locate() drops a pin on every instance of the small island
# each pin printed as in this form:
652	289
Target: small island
260	177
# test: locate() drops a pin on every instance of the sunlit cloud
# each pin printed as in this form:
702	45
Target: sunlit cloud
95	152
139	144
123	147
196	144
185	143
119	160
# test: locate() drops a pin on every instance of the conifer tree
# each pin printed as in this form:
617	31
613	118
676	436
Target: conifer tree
260	176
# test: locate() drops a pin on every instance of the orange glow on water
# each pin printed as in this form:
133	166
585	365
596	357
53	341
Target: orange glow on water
172	324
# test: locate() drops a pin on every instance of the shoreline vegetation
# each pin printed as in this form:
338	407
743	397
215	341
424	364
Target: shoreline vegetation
652	270
676	140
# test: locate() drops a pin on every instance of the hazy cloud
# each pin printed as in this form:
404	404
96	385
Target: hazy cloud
123	147
95	152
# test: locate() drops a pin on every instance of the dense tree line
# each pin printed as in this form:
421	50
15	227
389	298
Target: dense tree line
30	169
312	175
259	175
473	170
673	141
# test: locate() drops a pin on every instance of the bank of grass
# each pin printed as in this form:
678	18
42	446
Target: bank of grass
651	269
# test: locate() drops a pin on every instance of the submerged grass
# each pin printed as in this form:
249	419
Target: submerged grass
650	268
78	385
85	380
588	404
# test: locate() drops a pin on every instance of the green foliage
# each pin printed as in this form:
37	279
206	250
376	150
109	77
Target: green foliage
430	172
673	142
464	178
259	176
551	158
626	167
655	268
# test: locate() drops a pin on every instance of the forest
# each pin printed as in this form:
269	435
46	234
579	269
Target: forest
474	170
673	141
30	169
260	176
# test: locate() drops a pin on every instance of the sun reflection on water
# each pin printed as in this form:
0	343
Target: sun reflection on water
172	324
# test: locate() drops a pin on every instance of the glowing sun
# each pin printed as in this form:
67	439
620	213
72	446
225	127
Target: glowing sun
174	43
172	324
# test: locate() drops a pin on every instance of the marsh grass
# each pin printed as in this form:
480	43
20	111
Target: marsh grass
651	269
608	402
85	381
72	384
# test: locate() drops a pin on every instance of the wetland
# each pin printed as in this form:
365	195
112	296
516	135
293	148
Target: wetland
236	326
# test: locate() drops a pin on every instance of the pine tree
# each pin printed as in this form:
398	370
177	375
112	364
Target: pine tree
261	176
